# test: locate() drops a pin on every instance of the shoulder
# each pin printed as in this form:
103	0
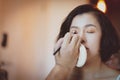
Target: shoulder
118	77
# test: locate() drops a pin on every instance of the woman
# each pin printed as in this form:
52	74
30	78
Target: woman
88	26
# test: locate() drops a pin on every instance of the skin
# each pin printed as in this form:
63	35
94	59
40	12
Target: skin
88	32
114	62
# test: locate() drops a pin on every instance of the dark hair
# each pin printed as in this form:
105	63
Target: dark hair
109	41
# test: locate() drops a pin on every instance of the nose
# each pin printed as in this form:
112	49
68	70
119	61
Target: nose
83	37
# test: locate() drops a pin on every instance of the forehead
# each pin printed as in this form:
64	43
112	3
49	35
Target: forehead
85	19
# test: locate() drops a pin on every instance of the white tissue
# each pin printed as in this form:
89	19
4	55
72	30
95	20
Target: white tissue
82	56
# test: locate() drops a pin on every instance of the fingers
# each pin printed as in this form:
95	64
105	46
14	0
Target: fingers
68	53
67	39
58	44
70	40
78	43
75	41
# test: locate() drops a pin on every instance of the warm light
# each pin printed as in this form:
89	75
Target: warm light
101	5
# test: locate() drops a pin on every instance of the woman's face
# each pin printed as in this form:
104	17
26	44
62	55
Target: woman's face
88	28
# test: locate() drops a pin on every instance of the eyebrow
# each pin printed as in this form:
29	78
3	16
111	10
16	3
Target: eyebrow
88	25
74	27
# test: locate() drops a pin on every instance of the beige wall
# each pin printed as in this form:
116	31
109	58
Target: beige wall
32	27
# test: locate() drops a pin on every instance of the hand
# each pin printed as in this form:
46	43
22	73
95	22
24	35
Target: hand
68	54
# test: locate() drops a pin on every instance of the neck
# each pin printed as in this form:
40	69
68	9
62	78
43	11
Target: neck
92	65
91	68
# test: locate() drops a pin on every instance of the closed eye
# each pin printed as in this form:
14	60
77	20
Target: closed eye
90	29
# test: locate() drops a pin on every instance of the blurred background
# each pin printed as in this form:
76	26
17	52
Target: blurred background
28	30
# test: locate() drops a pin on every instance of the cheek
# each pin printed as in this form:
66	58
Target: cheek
93	42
